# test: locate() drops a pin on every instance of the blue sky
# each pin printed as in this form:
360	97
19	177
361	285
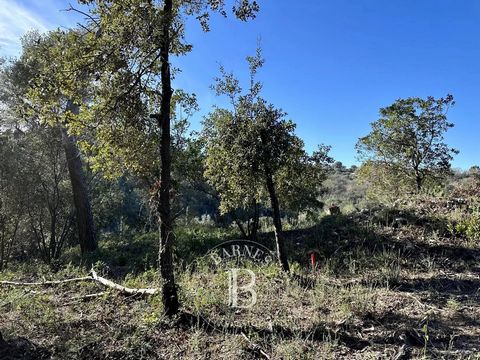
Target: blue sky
329	64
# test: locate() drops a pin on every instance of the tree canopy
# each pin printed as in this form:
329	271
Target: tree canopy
254	156
408	140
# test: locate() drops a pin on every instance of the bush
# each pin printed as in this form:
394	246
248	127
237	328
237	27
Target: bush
469	227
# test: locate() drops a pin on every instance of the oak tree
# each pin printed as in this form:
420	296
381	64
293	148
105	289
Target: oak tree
127	47
408	140
254	156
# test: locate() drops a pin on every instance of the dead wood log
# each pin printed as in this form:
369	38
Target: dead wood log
93	277
46	283
122	289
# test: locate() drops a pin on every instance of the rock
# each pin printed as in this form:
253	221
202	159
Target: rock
333	210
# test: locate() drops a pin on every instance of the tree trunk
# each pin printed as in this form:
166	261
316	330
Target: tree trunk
255	220
85	224
242	230
277	222
3	238
53	235
419	182
418	176
169	289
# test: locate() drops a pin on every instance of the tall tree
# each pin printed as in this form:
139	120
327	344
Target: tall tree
127	47
81	197
170	298
32	90
408	140
253	155
12	210
34	199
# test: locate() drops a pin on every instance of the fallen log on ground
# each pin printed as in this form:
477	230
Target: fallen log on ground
46	283
93	277
122	289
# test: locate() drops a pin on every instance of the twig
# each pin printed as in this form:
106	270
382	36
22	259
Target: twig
255	346
122	289
78	299
71	8
417	300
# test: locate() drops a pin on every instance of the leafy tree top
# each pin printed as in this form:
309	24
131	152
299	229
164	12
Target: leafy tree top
253	140
110	65
409	137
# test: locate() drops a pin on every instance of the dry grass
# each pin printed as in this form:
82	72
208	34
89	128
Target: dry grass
377	291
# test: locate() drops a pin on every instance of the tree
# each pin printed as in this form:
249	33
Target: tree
254	156
34	192
408	140
125	46
47	192
32	92
11	208
81	196
474	171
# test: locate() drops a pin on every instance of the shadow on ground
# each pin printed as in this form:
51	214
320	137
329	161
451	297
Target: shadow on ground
21	348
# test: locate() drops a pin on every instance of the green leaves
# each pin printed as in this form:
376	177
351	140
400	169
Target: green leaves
254	140
409	138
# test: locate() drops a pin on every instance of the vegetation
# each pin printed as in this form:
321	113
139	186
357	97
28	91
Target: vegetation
120	227
253	154
407	144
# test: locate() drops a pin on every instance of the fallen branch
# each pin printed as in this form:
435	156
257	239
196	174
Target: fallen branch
122	289
94	277
46	283
419	302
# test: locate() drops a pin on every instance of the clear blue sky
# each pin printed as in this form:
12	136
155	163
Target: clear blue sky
330	64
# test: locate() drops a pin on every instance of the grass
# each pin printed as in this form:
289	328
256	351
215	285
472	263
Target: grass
374	290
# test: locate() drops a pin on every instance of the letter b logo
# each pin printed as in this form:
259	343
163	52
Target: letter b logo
234	288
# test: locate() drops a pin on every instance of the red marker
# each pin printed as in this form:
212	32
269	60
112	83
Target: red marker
312	259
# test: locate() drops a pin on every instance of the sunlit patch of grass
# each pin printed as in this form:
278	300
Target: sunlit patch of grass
453	304
301	349
344	302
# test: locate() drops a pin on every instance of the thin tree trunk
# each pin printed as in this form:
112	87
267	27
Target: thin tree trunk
53	235
169	289
85	224
277	222
418	175
419	182
255	220
3	238
242	230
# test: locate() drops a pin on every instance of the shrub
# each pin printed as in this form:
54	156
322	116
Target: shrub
469	227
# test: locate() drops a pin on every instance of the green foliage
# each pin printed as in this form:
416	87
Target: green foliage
137	253
123	40
341	188
35	207
134	254
406	143
383	183
11	209
253	140
118	206
468	227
